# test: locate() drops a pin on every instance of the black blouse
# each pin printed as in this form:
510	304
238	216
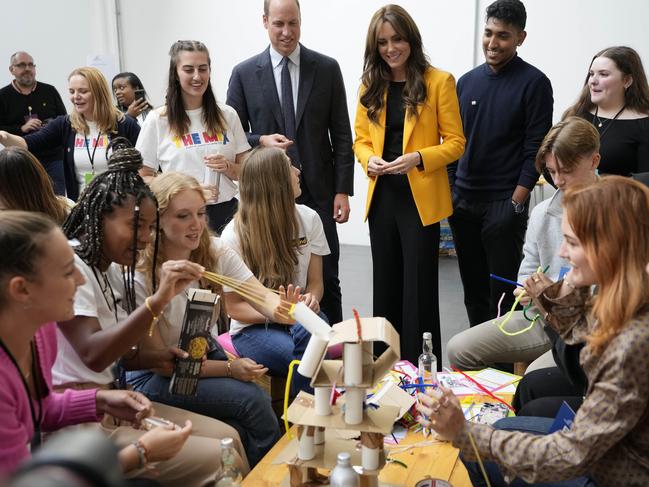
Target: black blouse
394	116
624	145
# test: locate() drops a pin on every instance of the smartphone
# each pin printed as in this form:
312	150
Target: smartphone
153	421
140	94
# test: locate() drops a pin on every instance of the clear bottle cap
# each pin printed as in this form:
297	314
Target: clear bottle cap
428	335
227	443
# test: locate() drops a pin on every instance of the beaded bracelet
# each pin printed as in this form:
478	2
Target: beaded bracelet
142	453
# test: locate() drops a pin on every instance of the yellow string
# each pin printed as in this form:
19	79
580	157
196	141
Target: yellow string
252	292
510	313
508	317
477	454
287	391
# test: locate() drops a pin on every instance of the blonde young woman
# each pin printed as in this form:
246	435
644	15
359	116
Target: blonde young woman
226	391
606	230
85	133
281	243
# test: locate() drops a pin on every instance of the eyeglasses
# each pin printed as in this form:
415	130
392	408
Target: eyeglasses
25	65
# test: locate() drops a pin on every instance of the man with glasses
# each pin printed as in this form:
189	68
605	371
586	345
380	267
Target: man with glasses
27	105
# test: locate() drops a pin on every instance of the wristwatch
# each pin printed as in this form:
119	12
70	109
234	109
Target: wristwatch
518	207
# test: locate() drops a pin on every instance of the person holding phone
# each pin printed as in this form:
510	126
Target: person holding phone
194	134
131	96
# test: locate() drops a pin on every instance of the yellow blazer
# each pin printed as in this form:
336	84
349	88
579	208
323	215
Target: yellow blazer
439	118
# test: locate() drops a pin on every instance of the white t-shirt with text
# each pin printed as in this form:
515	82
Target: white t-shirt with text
161	149
90	155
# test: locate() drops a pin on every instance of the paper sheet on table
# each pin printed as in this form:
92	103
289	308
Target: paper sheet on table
460	385
498	381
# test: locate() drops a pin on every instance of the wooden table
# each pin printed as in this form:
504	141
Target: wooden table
437	460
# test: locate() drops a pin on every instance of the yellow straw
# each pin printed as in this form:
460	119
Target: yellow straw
477	454
287	391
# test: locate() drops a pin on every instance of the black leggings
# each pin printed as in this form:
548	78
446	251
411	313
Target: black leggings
541	393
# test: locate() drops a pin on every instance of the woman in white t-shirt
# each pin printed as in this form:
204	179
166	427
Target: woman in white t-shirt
194	134
280	242
225	391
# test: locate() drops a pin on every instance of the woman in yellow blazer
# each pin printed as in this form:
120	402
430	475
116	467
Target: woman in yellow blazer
408	128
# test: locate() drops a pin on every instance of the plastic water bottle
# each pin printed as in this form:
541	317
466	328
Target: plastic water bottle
428	361
343	475
229	474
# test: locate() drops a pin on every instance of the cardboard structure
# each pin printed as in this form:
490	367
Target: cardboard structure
325	429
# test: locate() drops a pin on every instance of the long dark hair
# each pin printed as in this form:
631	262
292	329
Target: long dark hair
377	74
175	110
24	185
101	196
629	63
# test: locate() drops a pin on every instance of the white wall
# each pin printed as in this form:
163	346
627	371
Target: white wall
562	37
233	31
59	39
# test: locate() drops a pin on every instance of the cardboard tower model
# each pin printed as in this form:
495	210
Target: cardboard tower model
323	428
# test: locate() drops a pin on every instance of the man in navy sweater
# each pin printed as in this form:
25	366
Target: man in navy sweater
506	108
26	106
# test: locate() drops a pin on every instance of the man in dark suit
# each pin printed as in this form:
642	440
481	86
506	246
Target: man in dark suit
294	98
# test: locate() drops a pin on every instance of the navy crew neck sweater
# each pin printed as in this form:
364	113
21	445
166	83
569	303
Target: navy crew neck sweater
505	117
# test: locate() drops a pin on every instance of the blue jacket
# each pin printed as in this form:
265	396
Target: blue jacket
60	132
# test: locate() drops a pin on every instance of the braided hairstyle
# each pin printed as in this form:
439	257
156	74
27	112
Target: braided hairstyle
105	191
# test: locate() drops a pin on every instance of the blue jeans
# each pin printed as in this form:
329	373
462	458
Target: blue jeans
275	346
521	423
242	405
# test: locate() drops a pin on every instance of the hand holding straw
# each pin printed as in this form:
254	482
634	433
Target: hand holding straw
256	294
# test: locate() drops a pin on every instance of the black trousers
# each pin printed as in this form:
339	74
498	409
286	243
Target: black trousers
405	267
488	238
331	303
542	391
219	215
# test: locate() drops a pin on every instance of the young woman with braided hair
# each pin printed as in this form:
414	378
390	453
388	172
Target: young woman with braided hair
115	218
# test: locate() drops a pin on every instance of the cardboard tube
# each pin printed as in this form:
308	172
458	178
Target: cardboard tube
353	363
319	436
354	399
322	398
311	321
370	458
315	350
372	444
306	449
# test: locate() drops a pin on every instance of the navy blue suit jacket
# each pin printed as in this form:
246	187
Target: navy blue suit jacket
324	136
